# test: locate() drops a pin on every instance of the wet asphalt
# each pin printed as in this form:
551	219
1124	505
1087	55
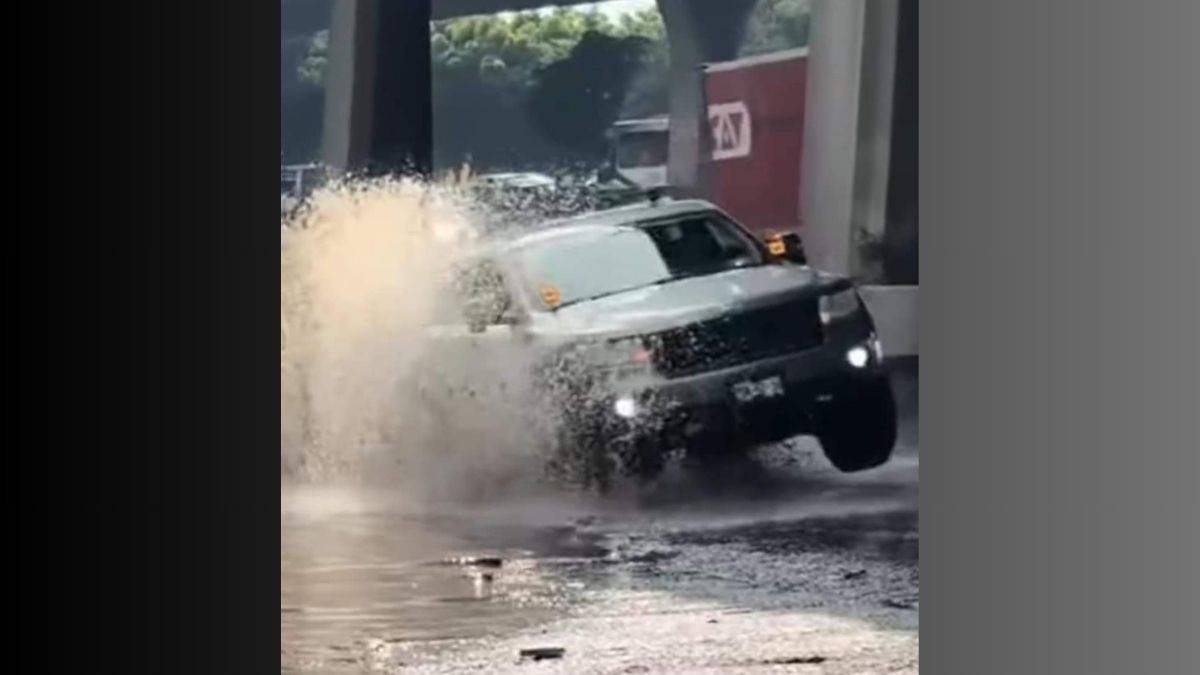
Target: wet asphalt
782	564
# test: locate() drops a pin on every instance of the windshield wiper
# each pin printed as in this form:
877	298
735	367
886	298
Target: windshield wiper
676	277
595	297
703	273
656	282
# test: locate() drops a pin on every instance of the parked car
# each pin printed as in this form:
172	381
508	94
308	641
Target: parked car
296	183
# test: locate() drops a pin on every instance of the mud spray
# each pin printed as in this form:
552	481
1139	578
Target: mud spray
366	393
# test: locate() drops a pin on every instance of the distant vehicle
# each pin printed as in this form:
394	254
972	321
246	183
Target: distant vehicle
500	199
518	181
750	145
668	325
296	182
537	196
639	150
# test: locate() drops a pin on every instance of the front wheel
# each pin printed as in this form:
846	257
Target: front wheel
858	431
642	458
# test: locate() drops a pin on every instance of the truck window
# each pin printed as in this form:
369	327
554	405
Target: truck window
645	148
702	245
602	263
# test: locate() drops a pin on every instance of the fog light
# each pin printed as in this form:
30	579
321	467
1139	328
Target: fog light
625	407
858	356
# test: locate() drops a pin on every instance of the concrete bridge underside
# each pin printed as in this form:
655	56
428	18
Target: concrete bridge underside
378	117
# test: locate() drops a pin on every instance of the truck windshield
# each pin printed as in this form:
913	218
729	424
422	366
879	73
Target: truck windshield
605	262
642	149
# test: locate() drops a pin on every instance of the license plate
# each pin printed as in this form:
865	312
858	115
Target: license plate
753	390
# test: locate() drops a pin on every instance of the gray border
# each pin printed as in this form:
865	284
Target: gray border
1060	200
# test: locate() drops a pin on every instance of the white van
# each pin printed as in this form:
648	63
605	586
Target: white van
639	150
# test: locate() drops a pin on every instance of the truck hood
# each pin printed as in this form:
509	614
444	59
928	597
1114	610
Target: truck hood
685	301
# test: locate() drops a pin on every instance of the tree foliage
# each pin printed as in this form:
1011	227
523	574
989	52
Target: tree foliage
509	46
513	47
573	101
312	66
301	97
776	25
530	88
547	84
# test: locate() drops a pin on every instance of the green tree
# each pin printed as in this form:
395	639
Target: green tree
546	90
574	100
514	45
775	25
522	71
521	43
312	66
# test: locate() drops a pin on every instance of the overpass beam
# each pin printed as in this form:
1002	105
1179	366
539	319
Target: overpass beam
378	111
699	31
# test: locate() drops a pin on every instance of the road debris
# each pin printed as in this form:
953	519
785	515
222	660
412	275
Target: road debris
485	561
539	653
796	660
653	556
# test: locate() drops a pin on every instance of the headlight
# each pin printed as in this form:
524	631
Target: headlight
626	407
858	356
621	354
837	305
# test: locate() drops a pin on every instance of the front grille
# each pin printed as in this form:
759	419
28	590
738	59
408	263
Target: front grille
737	338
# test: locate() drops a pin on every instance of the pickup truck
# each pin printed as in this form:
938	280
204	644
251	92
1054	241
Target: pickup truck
666	325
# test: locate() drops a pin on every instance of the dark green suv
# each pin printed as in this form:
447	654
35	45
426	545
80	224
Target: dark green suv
667	325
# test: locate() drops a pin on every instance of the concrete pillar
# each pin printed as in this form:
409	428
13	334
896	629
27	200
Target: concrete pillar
872	161
901	234
378	115
847	128
348	74
698	31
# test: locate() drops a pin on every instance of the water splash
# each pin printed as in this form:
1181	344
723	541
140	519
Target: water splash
382	380
359	266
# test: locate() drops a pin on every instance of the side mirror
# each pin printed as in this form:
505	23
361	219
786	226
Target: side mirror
787	246
478	317
483	296
487	308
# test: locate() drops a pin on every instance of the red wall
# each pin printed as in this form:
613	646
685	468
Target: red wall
761	188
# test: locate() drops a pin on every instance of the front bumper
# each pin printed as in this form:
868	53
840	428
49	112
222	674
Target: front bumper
675	411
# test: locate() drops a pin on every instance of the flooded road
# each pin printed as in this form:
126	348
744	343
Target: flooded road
782	565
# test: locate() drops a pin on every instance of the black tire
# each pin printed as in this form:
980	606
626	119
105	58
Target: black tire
717	456
858	431
600	446
583	451
598	466
728	470
715	449
642	458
